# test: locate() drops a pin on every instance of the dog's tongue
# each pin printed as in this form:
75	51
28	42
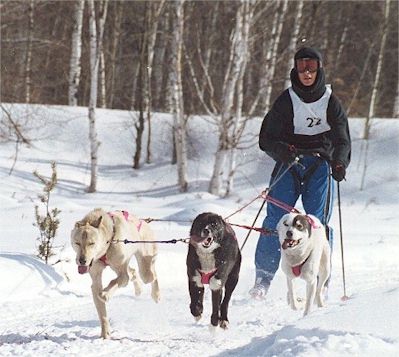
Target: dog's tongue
284	245
82	269
287	243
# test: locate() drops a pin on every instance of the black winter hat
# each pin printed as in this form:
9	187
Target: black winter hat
308	52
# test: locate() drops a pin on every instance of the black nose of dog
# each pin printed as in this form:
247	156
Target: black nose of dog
289	234
82	260
205	232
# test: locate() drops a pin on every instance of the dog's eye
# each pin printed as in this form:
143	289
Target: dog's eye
285	223
299	226
78	244
91	244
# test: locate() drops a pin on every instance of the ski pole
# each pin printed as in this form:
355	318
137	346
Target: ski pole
345	297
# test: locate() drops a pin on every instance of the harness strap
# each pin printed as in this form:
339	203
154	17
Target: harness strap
206	276
296	270
126	216
308	173
104	259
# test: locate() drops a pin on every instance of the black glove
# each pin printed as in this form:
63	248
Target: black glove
286	153
338	170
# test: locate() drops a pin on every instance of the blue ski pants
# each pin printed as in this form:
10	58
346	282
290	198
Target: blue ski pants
310	180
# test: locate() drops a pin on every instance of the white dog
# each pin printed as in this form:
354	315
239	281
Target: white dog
98	242
305	253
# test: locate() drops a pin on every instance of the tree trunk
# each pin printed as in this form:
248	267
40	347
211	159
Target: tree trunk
178	104
362	76
141	93
396	104
371	113
293	42
28	61
100	49
116	28
373	98
103	92
274	51
76	52
235	69
154	12
139	126
94	144
159	60
95	50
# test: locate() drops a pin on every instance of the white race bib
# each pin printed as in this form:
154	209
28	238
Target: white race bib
310	118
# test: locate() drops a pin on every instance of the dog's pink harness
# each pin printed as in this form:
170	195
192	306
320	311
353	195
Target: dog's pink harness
126	215
206	276
296	270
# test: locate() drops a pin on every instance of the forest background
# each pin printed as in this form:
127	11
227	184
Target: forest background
227	60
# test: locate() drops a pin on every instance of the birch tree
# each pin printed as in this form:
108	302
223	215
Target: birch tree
235	67
160	60
95	52
153	17
371	113
373	98
76	53
293	41
28	61
271	56
179	122
116	35
139	123
342	43
396	103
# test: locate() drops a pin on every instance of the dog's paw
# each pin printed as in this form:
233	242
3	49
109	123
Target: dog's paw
296	303
105	331
197	318
224	324
137	289
196	310
104	296
320	300
215	284
156	296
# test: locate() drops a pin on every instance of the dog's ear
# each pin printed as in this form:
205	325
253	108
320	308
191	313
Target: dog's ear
308	224
309	228
79	224
302	222
97	222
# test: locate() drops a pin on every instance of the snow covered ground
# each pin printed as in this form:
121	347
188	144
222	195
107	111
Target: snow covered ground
47	310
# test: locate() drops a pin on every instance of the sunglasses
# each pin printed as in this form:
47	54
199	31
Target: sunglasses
307	64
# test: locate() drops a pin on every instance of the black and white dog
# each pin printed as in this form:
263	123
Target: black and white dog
305	254
213	258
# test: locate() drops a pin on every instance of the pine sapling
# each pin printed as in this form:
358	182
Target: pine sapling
47	223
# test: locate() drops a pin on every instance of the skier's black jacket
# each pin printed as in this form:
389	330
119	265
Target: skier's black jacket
277	126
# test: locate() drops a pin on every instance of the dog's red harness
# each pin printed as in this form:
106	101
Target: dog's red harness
104	259
296	270
126	215
206	276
